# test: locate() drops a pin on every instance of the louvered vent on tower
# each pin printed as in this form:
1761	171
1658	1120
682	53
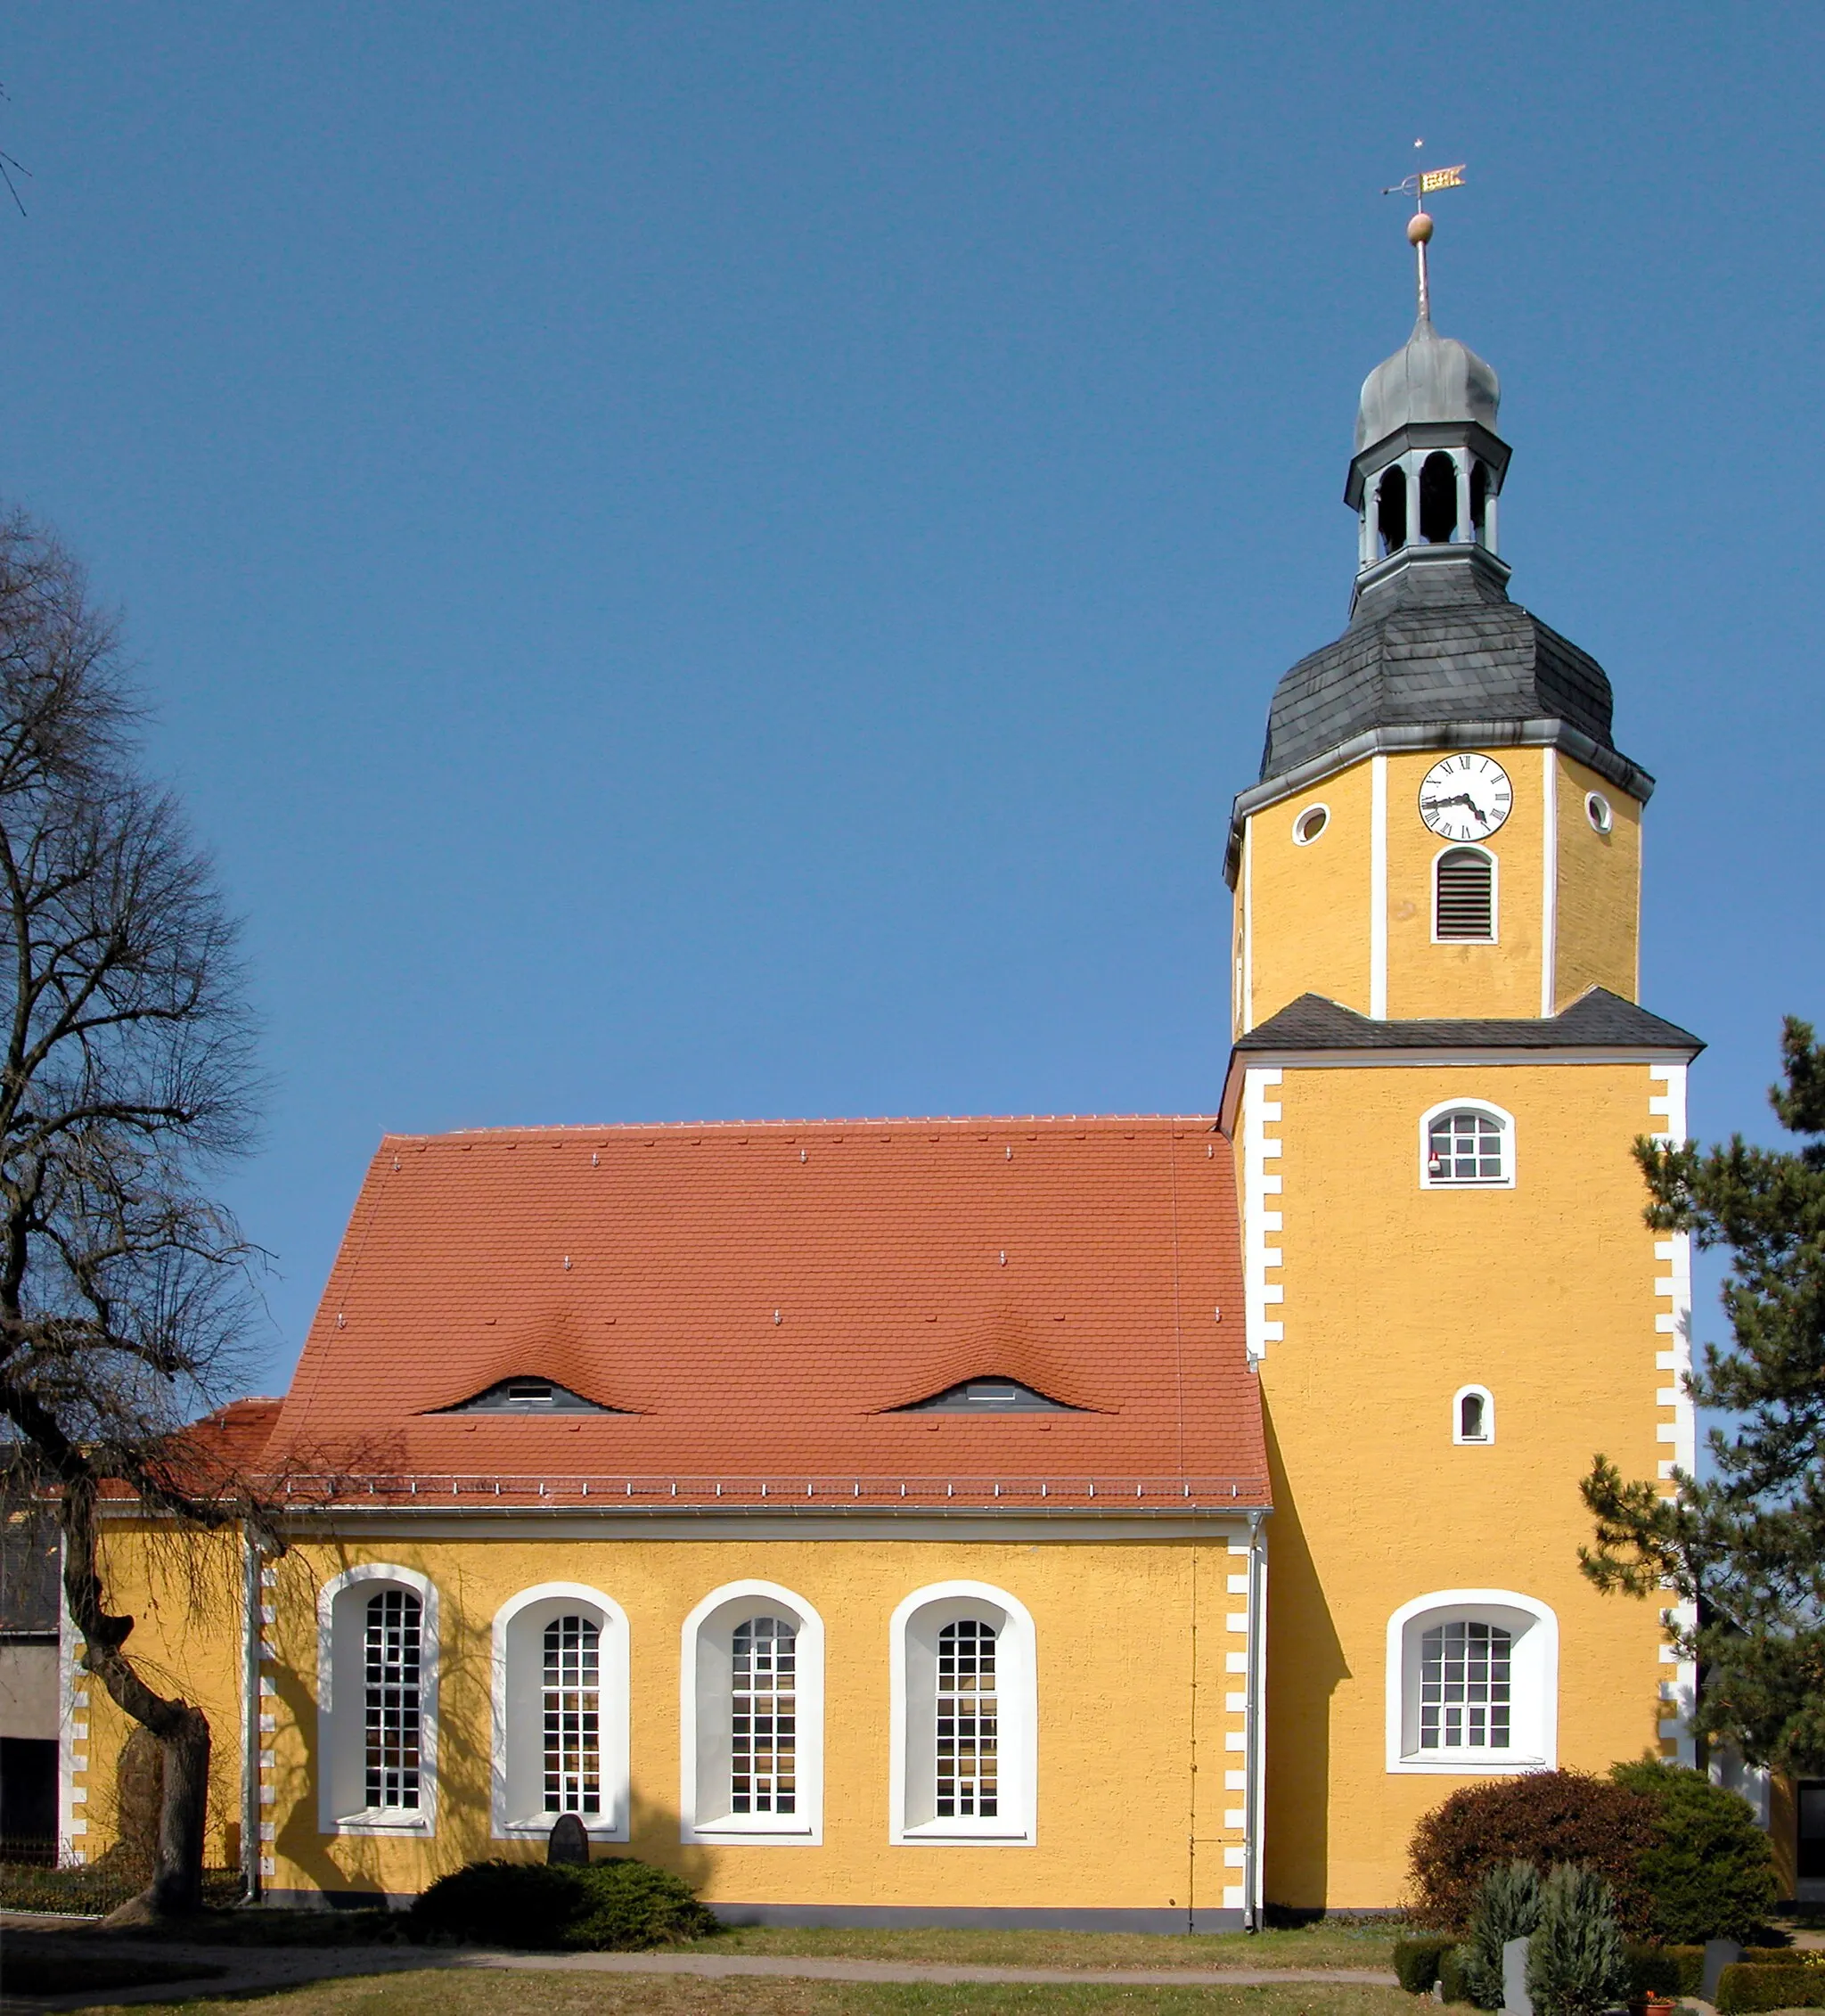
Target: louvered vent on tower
1466	894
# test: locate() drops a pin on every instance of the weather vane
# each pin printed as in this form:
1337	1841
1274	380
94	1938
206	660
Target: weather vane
1419	186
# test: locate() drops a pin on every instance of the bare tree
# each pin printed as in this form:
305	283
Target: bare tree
126	1081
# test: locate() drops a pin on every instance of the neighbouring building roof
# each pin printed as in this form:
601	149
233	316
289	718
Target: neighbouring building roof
1598	1019
759	1301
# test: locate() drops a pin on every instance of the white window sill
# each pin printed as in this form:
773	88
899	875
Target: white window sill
945	1833
756	1832
540	1829
382	1823
1459	1764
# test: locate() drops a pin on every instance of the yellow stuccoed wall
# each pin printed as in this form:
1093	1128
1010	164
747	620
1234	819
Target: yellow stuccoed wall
1122	1627
1600	888
1395	1297
1310	905
1303	914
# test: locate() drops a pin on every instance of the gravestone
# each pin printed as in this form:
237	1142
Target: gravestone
1719	1953
1515	1997
570	1842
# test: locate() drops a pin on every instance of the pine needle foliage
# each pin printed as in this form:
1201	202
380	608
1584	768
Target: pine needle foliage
1744	1546
1577	1964
1506	1908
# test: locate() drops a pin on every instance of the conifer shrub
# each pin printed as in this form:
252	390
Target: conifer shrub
1541	1817
1506	1908
1453	1986
618	1905
1743	1989
1416	1963
1577	1961
1710	1870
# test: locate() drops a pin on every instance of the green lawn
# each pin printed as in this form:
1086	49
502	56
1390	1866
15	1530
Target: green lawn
488	1994
1323	1945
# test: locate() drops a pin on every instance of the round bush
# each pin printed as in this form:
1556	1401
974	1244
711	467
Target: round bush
1543	1817
1710	1869
618	1906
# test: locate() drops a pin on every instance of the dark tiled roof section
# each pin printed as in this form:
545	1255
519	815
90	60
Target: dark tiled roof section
1598	1019
1433	645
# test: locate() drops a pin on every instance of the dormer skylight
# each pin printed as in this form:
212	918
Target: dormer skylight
988	1396
528	1396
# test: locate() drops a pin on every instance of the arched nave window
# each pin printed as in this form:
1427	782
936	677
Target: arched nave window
377	1702
965	1743
751	1713
1472	1683
560	1711
1466	1144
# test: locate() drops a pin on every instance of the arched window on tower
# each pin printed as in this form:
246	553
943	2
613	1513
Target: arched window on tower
1464	895
1438	498
1479	500
1391	509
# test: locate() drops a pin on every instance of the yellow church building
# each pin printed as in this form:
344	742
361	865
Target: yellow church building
1114	1522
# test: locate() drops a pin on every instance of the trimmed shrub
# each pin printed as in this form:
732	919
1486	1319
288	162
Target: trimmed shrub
1665	1969
1416	1963
1542	1817
1711	1869
1743	1989
1576	1962
619	1906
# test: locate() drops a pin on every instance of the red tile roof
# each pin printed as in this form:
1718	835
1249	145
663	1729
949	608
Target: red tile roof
757	1300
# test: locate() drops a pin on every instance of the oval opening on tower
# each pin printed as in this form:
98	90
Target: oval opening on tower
1597	811
1310	823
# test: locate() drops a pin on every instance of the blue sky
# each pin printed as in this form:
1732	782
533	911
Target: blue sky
713	560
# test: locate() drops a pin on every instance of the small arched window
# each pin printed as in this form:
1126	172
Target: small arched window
1467	1145
1391	509
1438	498
1463	904
1473	1415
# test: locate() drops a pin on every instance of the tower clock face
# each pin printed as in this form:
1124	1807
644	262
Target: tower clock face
1466	797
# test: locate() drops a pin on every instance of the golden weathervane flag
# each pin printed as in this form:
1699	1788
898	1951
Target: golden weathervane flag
1442	178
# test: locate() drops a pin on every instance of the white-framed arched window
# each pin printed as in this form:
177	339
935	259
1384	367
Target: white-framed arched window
559	1686
964	1760
1464	896
751	1717
1472	1684
1473	1415
377	1702
1466	1144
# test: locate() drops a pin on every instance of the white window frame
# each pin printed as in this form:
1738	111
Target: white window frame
1300	837
341	1741
1503	1118
1457	1436
1534	1684
1495	861
516	1792
704	1674
912	1655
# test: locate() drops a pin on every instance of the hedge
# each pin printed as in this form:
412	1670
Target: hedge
1742	1988
1665	1969
617	1905
1451	1982
1543	1817
1710	1870
1416	1963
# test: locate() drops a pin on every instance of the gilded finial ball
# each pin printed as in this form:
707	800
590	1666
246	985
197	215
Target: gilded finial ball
1419	229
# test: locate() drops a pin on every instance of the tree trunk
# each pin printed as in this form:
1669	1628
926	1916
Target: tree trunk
183	1731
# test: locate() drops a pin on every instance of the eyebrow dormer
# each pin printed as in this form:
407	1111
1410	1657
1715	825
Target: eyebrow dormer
987	1397
530	1395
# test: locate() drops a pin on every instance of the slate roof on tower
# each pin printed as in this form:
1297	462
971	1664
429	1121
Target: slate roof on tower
754	1302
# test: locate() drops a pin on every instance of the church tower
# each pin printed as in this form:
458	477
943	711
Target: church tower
1440	1065
1443	824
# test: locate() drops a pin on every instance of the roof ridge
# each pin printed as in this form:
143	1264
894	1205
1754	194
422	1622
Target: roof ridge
594	1127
